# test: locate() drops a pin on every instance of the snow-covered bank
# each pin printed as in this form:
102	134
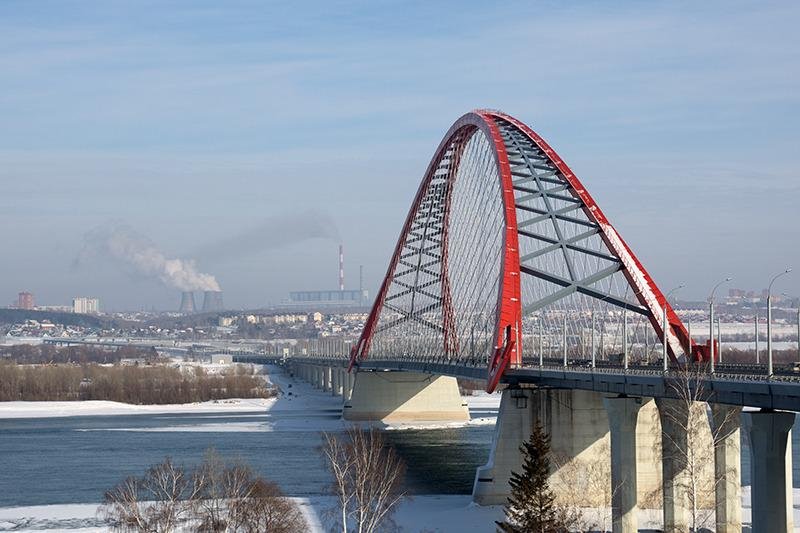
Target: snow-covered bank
431	513
106	408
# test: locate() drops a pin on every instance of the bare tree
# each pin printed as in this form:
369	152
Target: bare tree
585	483
689	440
154	503
341	464
368	477
215	497
266	509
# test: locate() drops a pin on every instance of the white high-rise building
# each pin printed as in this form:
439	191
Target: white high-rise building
85	305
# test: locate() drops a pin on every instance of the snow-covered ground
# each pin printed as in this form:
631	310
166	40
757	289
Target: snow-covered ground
430	513
102	407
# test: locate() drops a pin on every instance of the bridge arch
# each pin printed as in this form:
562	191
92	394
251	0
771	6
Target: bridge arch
504	255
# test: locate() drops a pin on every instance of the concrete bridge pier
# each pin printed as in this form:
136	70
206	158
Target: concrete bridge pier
326	378
623	414
727	465
578	424
771	470
674	417
404	397
336	382
515	421
347	388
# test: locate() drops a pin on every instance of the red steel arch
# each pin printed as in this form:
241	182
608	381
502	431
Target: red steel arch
507	343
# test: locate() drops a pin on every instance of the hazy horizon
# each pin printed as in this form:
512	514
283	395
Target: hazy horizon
252	139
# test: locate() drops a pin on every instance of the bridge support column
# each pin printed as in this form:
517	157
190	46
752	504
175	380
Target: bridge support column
326	378
349	380
623	414
336	382
674	416
515	421
403	397
727	464
771	471
317	377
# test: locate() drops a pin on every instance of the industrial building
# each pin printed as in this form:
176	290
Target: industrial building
212	301
344	298
332	298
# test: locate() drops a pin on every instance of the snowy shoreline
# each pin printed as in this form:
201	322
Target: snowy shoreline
11	410
451	513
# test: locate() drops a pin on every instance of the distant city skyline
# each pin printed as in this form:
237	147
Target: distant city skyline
212	130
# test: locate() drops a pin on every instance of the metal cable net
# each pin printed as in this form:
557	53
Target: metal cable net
442	301
575	298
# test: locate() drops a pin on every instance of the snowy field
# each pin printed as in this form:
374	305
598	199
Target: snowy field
106	408
431	514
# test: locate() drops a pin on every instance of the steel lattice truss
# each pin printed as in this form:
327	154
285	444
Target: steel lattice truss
505	256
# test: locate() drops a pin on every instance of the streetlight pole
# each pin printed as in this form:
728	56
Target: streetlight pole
769	320
594	355
541	344
565	339
711	320
625	338
755	324
665	330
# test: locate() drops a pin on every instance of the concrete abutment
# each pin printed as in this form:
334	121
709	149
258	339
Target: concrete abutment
404	397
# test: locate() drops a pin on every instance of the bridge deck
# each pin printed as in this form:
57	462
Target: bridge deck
778	392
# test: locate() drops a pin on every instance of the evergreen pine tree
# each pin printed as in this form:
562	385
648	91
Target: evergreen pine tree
530	508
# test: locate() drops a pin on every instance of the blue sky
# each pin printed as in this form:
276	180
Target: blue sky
195	121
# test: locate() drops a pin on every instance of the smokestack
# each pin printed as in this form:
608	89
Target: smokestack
212	301
360	284
341	267
187	303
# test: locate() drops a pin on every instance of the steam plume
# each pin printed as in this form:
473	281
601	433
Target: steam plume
126	246
273	232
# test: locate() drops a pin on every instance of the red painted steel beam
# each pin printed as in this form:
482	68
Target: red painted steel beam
647	292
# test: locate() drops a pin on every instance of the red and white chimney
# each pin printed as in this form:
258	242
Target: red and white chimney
341	267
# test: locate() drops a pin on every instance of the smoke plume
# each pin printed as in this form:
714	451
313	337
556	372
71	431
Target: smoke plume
131	249
273	232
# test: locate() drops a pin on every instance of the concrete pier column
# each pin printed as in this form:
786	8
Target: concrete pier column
327	373
674	416
727	465
771	471
336	382
349	379
514	426
342	374
405	397
317	377
623	414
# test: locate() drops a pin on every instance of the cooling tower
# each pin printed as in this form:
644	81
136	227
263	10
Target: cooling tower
212	301
187	303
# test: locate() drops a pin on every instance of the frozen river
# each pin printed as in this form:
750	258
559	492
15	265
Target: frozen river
75	459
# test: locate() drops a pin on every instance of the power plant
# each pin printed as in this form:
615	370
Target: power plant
332	298
212	301
187	303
